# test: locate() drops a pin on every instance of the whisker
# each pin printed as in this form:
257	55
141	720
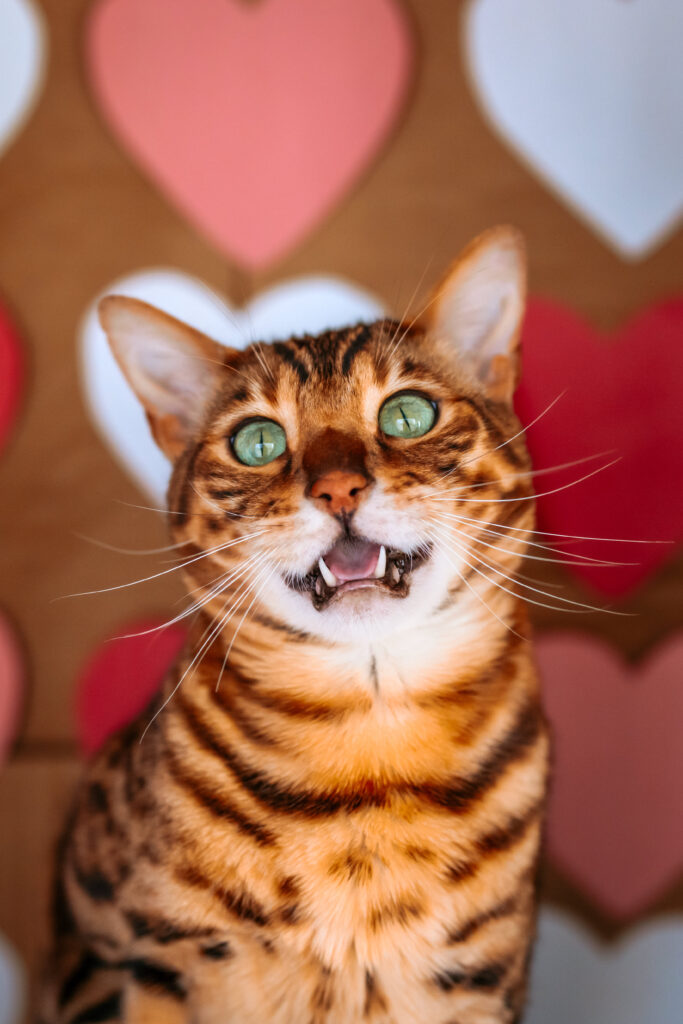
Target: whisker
269	574
218	508
576	605
519	433
130	551
567	536
543	494
568	559
164	572
520	476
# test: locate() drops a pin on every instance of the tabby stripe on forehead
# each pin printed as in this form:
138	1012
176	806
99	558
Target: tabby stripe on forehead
289	357
219	806
363	336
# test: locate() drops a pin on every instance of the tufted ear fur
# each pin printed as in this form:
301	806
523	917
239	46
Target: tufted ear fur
173	369
479	305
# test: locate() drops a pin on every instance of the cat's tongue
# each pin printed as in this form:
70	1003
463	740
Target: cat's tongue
352	559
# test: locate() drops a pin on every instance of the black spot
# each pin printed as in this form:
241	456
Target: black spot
86	967
99	888
219	951
108	1009
98	800
164	979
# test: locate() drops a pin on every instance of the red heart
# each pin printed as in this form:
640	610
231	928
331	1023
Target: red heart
253	118
616	810
120	679
11	375
12	677
621	393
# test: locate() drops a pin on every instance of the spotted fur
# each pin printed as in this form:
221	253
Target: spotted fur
338	822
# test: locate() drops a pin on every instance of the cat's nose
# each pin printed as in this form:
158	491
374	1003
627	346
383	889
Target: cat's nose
339	491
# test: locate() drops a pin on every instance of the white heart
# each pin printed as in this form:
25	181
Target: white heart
577	980
306	304
590	93
12	985
23	46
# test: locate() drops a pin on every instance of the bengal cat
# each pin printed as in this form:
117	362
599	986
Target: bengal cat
332	813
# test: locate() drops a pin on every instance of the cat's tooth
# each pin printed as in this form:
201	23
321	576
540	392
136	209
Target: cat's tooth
327	574
381	566
394	573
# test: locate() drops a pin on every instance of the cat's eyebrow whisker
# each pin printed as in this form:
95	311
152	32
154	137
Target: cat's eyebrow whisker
165	572
566	559
520	476
532	497
416	289
576	605
544	412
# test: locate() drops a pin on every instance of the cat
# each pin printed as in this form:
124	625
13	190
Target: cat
332	814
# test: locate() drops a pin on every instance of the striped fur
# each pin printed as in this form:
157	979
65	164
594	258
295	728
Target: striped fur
339	822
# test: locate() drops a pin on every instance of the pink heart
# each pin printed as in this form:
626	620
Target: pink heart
616	811
253	118
11	375
121	678
11	687
621	393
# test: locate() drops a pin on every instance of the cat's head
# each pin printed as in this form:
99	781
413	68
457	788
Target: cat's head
342	482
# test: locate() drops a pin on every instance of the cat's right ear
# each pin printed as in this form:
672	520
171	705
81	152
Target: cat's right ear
173	369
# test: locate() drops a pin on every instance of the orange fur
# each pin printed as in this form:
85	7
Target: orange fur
336	816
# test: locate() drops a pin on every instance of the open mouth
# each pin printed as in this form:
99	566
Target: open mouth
357	564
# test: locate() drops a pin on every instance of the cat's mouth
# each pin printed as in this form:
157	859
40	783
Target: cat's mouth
357	564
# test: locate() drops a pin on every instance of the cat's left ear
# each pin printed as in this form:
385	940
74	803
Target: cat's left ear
479	306
173	369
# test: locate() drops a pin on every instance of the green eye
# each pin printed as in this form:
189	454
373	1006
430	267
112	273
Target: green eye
407	415
259	442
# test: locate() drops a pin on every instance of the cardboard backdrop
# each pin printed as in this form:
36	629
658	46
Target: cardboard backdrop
438	156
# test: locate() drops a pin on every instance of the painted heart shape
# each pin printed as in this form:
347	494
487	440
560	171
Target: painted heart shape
294	307
122	676
23	46
616	811
621	394
11	375
12	680
576	980
590	95
252	118
12	984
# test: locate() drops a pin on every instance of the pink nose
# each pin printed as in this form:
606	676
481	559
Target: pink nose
339	491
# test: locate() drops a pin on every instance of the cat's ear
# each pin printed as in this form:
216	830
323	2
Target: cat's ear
479	306
173	369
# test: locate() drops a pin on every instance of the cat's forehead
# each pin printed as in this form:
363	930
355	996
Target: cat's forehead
333	371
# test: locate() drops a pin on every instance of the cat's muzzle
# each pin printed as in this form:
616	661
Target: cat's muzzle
357	564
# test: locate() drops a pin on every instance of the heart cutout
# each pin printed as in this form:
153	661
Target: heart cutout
576	980
122	677
616	811
12	681
294	307
590	95
23	48
254	119
12	984
11	375
620	394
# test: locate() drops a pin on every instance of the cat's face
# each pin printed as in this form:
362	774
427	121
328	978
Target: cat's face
325	473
